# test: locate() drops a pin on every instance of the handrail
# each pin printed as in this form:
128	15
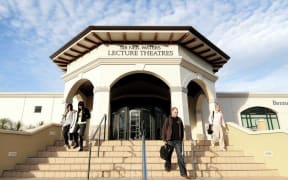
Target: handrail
104	118
144	163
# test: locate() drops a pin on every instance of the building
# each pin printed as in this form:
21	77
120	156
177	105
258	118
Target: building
135	74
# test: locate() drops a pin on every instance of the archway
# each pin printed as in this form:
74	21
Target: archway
82	91
196	102
135	100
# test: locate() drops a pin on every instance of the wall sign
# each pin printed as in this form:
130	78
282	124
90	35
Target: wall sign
143	50
280	103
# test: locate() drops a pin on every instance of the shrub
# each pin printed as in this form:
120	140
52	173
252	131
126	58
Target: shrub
6	123
18	125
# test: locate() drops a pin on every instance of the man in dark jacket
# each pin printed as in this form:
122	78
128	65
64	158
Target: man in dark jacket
82	115
173	133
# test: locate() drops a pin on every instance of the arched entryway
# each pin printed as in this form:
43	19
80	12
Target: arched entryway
82	90
135	100
198	104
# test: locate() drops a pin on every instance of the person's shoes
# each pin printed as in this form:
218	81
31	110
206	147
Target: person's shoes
72	143
167	166
67	146
76	146
223	149
185	176
167	169
81	149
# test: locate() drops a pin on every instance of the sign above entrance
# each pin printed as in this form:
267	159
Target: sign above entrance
142	50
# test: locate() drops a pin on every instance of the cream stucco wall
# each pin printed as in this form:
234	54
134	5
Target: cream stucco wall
20	107
17	146
266	146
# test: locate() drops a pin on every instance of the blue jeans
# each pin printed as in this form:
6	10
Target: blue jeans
81	128
178	147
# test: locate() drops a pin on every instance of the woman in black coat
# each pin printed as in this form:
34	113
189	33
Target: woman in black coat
83	115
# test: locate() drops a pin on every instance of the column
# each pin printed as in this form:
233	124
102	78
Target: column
211	104
179	99
101	103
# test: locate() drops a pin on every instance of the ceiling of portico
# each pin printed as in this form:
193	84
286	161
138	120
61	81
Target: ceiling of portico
185	36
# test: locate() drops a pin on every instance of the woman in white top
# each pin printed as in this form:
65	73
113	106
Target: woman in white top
217	120
67	119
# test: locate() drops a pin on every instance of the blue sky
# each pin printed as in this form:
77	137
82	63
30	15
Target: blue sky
253	33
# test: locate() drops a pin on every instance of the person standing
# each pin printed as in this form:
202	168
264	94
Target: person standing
217	120
173	133
83	115
67	119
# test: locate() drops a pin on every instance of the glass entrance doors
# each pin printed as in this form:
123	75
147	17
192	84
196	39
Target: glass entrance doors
127	124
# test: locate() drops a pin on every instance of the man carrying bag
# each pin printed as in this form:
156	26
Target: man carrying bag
173	134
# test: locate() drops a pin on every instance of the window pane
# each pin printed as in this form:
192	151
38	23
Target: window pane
250	116
275	123
244	121
37	109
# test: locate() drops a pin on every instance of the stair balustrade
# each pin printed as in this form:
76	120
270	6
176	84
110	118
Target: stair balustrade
97	130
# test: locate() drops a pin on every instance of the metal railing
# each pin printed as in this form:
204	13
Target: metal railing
98	129
144	163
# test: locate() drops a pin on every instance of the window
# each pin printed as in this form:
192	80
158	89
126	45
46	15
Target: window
250	116
37	109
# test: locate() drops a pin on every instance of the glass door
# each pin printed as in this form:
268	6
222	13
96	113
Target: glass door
138	118
134	126
119	128
126	123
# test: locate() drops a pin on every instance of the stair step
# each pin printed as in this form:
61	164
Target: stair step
113	148
238	173
138	166
224	159
74	153
67	160
138	173
218	153
128	143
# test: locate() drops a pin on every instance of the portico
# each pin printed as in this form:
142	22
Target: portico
136	74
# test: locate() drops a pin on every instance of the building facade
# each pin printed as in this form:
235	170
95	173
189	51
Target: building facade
135	75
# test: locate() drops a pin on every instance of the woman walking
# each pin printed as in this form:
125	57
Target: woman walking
217	120
83	115
67	119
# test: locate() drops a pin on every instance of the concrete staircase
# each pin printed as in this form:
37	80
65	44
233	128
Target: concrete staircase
123	159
